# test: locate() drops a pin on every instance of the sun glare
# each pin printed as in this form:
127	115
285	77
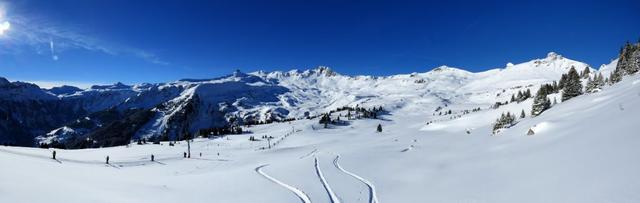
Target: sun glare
4	27
4	24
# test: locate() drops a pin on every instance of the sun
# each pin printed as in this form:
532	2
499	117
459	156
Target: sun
4	26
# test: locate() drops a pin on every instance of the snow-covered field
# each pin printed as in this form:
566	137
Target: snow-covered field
583	150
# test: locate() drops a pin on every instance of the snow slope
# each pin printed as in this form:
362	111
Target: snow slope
583	150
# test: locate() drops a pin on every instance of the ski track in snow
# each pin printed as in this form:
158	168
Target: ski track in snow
309	154
296	191
373	196
332	195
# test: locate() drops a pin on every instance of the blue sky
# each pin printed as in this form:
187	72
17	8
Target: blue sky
82	42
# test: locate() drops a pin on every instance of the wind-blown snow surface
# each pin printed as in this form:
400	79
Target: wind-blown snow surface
583	150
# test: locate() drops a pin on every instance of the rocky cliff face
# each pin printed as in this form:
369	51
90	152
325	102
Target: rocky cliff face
27	111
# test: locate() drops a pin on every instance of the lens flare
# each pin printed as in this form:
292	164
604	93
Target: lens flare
4	24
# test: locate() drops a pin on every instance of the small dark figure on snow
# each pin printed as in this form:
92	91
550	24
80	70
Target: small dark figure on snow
107	160
185	155
54	154
152	158
379	128
200	154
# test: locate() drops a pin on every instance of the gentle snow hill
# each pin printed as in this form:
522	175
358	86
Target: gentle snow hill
583	150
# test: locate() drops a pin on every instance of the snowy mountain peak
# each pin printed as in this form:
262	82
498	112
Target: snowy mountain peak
554	56
447	69
326	71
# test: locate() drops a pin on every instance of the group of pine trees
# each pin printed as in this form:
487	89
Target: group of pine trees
212	132
505	121
594	84
521	96
571	86
358	113
250	122
628	62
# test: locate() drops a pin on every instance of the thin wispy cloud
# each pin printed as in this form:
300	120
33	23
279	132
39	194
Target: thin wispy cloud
45	37
53	51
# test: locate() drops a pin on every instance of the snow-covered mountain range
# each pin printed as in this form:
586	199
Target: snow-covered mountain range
186	106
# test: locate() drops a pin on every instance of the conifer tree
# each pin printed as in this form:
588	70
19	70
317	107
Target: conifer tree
585	72
573	86
590	85
379	129
599	80
540	103
522	115
563	81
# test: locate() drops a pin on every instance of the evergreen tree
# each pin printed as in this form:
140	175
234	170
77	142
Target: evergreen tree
379	129
563	81
591	86
585	72
573	86
599	80
325	119
522	115
520	95
540	103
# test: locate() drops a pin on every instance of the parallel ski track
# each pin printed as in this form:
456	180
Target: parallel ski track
334	198
373	196
303	197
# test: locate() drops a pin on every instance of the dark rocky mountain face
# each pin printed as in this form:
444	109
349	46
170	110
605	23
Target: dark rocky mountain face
109	115
23	120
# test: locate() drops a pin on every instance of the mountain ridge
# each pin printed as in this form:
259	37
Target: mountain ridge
188	105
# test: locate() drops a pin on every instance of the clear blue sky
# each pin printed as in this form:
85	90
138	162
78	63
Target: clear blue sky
155	41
